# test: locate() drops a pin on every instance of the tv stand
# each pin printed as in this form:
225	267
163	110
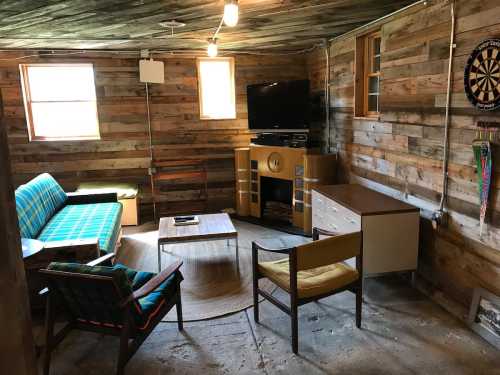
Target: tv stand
283	139
269	177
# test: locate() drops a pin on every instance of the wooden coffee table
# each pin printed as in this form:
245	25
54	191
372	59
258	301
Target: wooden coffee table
212	227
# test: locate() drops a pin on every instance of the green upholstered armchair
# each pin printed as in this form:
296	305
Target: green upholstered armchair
113	300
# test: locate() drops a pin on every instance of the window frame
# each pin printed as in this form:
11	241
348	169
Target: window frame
200	87
364	71
26	92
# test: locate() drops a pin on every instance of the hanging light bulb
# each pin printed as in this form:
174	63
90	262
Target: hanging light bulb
231	13
212	48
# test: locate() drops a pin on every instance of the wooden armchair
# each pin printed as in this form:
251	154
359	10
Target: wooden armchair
111	300
312	271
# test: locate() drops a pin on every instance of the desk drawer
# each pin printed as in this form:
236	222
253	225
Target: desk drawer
329	215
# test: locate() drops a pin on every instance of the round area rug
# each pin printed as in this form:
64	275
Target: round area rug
213	286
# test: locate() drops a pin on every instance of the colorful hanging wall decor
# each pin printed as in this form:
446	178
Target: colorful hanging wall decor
482	155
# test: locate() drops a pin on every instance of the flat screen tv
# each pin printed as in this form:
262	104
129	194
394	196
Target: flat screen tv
279	105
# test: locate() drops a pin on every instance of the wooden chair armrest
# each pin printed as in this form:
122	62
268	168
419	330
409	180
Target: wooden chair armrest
104	259
154	283
85	198
279	250
318	231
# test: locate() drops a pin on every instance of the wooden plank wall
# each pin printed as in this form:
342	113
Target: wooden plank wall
17	354
122	153
403	149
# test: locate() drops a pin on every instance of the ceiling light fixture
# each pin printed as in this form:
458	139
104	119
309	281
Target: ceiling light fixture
212	48
231	13
172	25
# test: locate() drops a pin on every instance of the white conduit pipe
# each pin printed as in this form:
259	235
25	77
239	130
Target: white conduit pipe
327	94
446	144
151	156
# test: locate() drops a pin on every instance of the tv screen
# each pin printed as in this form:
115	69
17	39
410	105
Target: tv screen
279	105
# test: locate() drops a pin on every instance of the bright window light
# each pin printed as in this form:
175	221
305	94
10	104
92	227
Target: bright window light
60	101
216	88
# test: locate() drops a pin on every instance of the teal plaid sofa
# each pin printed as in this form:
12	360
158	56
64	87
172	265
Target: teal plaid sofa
47	213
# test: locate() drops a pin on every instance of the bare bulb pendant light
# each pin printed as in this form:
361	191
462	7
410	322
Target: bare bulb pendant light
231	13
212	48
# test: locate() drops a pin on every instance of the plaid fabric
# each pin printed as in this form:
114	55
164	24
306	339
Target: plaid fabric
127	280
151	304
100	306
96	220
36	203
119	274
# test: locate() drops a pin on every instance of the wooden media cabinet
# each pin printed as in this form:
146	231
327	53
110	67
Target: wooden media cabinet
263	171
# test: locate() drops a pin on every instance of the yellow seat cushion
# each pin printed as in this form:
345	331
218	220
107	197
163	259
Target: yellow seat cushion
312	282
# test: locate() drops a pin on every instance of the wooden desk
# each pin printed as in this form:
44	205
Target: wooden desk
210	228
390	227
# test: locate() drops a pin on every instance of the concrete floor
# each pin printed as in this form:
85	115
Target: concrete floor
403	333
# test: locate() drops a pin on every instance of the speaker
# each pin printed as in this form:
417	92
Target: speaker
242	176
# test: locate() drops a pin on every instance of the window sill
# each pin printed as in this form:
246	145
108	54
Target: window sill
217	119
72	139
367	118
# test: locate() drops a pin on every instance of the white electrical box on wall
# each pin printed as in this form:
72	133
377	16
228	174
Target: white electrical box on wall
151	71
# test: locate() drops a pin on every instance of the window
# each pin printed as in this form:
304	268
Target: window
367	98
60	101
216	88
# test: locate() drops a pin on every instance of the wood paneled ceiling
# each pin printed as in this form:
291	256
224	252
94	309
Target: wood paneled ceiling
277	25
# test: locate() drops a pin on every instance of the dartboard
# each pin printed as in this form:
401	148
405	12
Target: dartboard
482	76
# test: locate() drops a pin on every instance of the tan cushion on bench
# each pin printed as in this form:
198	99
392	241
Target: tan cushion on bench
123	190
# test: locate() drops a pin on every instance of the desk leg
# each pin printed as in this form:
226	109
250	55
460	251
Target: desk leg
159	258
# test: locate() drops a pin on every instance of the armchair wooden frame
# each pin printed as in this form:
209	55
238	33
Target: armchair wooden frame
127	330
355	287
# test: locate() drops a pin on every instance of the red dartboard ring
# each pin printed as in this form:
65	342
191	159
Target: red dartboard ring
482	76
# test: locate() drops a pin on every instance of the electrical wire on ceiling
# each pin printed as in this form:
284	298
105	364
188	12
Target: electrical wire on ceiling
42	53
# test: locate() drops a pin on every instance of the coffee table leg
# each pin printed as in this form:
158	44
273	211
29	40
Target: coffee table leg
237	254
159	258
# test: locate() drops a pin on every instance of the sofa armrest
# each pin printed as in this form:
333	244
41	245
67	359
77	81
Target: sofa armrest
85	198
105	260
79	251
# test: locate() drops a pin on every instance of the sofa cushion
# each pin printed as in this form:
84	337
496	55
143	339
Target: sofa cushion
82	301
96	220
152	303
36	203
119	274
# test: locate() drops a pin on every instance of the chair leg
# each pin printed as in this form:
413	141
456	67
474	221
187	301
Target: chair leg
49	334
359	304
255	279
295	329
178	306
123	353
255	305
